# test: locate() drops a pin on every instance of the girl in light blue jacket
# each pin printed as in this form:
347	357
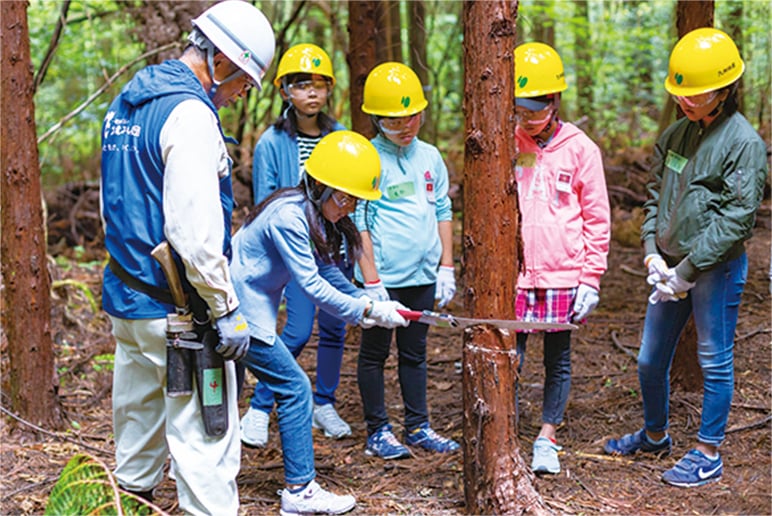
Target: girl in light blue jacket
407	256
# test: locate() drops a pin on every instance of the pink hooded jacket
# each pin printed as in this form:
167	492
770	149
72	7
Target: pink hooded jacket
565	210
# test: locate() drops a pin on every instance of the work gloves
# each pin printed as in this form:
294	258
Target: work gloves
234	335
668	285
384	314
376	291
586	300
446	285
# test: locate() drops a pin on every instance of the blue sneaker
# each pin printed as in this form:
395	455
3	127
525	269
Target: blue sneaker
693	470
383	444
629	444
428	439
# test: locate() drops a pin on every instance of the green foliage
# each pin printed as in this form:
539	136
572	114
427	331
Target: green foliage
86	487
628	43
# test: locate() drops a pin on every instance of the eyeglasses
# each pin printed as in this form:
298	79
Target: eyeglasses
344	201
533	116
696	101
398	124
306	86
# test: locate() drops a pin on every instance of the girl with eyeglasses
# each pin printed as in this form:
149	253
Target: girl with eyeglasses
305	79
295	234
408	256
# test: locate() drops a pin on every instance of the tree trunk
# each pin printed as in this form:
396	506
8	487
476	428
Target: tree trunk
418	61
496	479
686	371
31	380
361	59
388	37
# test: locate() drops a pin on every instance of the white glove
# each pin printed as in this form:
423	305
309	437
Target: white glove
384	313
657	268
376	291
446	285
657	295
586	300
675	285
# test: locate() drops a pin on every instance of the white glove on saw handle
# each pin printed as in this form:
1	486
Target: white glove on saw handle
586	300
384	314
446	285
376	291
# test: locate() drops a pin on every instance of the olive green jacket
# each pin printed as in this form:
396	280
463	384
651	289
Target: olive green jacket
706	185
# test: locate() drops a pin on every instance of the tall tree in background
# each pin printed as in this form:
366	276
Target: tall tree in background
361	59
418	61
496	479
686	371
31	380
388	38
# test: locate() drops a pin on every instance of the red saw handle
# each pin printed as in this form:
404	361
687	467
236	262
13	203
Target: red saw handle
410	315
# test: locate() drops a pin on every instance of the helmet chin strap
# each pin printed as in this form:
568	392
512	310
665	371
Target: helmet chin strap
317	202
215	83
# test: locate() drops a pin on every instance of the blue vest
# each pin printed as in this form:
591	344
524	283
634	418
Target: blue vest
132	183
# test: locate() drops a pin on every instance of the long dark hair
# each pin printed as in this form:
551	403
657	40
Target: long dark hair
288	121
328	238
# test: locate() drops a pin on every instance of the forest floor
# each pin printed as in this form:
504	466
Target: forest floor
604	402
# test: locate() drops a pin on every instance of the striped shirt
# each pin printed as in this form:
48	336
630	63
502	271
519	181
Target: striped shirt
306	144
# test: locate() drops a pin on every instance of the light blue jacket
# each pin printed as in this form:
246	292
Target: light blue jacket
276	163
403	223
271	250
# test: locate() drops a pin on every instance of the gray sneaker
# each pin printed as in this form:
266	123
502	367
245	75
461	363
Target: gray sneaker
327	419
545	456
254	428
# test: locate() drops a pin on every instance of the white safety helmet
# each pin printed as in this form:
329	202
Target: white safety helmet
241	32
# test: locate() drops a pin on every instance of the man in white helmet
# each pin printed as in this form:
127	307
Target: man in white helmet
166	177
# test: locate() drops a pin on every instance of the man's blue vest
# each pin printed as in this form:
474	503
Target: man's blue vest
132	183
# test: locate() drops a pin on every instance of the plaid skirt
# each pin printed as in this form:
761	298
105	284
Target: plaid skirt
550	305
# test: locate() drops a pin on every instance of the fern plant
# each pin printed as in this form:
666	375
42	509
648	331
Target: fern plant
86	487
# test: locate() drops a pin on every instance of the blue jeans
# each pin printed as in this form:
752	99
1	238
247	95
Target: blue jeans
411	368
275	367
714	301
296	334
557	373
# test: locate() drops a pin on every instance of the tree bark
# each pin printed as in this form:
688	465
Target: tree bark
496	479
31	380
361	59
388	36
584	68
686	371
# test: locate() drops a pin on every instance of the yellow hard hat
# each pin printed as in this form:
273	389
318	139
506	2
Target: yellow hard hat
393	89
703	60
539	71
347	161
304	58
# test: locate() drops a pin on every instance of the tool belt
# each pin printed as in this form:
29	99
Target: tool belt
190	347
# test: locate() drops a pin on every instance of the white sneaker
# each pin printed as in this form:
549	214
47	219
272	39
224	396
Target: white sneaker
327	419
254	428
314	500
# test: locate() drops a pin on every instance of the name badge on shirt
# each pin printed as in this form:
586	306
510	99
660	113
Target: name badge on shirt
429	187
526	160
400	190
563	182
675	162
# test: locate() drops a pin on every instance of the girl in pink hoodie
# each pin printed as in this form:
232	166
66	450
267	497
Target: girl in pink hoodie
565	228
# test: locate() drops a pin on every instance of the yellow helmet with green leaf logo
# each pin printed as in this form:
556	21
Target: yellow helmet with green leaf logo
703	60
304	58
393	89
538	71
347	161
